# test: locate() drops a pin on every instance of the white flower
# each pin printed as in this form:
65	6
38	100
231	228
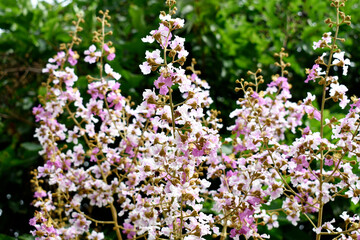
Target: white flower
145	68
109	71
96	236
167	17
148	38
345	216
317	230
154	55
341	61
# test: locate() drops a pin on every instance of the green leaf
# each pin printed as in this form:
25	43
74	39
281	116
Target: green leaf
137	17
42	91
34	147
26	237
5	237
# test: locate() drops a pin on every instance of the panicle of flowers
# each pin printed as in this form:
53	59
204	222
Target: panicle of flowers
82	162
251	176
151	168
321	168
180	138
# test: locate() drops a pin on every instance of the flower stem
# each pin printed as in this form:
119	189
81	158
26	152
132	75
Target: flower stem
321	207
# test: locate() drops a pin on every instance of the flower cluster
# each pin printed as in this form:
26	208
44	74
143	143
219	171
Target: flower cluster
251	176
153	169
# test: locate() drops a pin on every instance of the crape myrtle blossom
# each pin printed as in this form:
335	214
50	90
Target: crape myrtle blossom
163	35
66	170
313	73
96	236
110	51
338	92
340	61
253	133
78	169
309	108
58	59
180	155
247	183
49	67
152	168
91	55
73	57
178	44
109	71
145	68
151	57
330	228
149	150
323	42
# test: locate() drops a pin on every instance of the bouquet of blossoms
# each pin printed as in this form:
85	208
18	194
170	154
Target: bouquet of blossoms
158	170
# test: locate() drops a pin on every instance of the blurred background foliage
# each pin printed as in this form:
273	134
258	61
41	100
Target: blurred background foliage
227	38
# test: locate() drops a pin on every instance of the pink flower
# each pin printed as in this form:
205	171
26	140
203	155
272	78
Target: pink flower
116	99
280	82
164	35
129	230
110	52
94	152
40	194
312	74
91	54
326	39
329	162
155	55
338	91
163	84
178	42
59	58
73	56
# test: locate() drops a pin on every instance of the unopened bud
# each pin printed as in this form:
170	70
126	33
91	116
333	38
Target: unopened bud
328	20
172	53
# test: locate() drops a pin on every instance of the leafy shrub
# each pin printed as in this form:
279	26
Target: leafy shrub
161	161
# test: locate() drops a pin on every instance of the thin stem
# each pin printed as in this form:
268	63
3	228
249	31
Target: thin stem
114	216
92	219
336	233
312	223
181	218
224	230
321	204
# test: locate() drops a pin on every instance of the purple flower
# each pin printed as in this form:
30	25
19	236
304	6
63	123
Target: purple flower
32	221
